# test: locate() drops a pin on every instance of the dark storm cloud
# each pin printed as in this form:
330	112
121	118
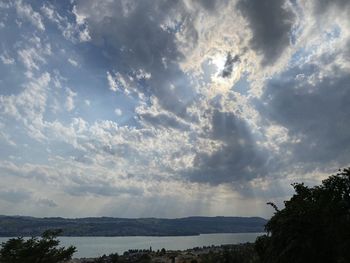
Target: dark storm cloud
271	24
228	67
239	159
316	114
138	37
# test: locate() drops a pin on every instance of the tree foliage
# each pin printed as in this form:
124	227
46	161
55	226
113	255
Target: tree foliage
314	226
36	250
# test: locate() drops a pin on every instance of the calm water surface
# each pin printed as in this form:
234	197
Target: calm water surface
97	246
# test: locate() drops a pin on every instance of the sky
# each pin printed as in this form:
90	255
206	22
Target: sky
164	108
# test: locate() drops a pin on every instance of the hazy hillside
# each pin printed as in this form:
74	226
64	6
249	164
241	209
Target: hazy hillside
108	226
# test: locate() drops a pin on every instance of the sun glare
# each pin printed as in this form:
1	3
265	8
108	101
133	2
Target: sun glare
219	62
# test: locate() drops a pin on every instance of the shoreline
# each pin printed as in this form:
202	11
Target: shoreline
195	253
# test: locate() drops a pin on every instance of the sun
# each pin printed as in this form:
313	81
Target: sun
219	62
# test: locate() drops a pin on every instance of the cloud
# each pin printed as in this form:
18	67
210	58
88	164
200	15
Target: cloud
34	53
70	99
111	82
73	62
7	138
311	105
15	196
219	102
239	159
6	59
228	67
29	106
46	202
25	11
136	41
75	31
118	112
103	190
117	81
163	120
155	116
323	5
271	23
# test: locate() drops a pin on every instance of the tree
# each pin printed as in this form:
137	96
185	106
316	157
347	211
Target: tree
111	258
36	250
314	225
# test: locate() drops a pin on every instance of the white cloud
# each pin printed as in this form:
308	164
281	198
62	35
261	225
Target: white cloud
75	32
94	191
84	35
25	11
128	83
7	138
29	106
6	59
73	62
30	58
70	100
79	18
111	82
33	53
141	74
118	112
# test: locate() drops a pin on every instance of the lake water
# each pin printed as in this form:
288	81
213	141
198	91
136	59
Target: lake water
97	246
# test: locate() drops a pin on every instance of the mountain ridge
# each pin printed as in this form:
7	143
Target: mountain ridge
115	226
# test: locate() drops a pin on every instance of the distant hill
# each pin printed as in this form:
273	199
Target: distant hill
108	226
